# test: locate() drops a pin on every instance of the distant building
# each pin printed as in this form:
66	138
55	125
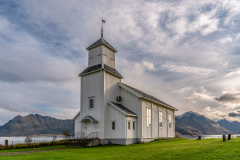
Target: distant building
117	112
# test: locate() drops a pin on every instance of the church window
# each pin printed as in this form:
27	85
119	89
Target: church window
170	121
91	103
129	127
134	125
113	125
160	118
149	117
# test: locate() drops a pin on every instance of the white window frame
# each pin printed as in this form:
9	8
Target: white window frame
170	121
160	119
114	125
89	102
134	125
149	117
129	125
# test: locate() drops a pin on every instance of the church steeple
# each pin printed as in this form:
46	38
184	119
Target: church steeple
103	21
101	52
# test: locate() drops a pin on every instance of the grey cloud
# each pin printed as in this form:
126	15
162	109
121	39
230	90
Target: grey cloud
228	97
19	108
14	71
234	114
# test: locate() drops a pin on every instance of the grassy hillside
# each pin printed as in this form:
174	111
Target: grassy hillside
162	149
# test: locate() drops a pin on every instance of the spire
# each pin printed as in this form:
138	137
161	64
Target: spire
103	21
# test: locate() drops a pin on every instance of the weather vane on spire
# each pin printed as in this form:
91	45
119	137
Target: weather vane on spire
103	21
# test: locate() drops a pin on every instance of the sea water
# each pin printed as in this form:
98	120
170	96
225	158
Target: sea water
204	136
20	140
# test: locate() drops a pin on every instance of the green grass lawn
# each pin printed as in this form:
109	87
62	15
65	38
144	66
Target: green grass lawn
161	149
32	149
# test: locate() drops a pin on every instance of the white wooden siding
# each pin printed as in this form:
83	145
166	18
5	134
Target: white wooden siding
95	56
133	103
120	119
77	126
110	55
155	131
111	91
92	86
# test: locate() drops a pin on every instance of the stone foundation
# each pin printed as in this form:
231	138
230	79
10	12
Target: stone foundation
95	142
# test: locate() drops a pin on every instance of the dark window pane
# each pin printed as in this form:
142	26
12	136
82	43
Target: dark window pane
91	103
113	125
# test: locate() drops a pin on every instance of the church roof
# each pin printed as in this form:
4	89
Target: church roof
148	96
99	42
100	67
87	117
125	109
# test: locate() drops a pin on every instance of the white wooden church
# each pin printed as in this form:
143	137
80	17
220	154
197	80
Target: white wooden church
116	112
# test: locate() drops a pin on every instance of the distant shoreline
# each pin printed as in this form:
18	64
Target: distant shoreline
41	135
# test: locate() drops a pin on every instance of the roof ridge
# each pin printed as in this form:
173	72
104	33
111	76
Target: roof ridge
98	67
123	108
136	89
148	96
101	41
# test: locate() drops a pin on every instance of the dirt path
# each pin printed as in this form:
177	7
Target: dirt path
26	152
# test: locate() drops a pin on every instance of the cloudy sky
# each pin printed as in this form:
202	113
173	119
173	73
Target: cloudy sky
183	52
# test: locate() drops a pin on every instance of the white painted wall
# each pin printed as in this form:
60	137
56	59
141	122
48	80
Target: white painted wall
133	103
171	130
155	131
120	127
77	126
155	120
146	131
101	54
163	130
110	57
92	86
95	56
111	91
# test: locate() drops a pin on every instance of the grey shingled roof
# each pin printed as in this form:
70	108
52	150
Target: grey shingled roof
112	70
92	69
99	42
149	96
98	67
128	111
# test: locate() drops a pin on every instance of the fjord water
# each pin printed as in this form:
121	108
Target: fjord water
17	140
209	136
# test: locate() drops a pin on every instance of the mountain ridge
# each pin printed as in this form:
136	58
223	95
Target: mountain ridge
193	121
35	125
232	126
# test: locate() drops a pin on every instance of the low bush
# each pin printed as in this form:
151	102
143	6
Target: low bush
2	147
31	145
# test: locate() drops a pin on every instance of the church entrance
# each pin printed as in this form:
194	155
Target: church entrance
89	126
